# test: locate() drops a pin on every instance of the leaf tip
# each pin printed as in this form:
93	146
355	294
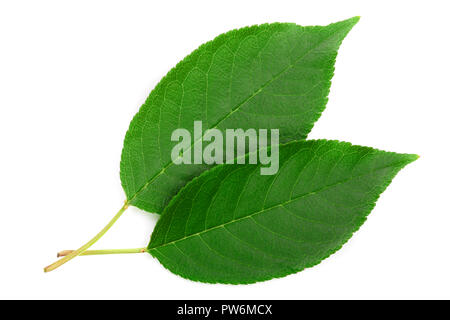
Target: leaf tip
352	21
410	157
344	26
414	157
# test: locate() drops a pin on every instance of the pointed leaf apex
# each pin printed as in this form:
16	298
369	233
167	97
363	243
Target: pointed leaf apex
348	23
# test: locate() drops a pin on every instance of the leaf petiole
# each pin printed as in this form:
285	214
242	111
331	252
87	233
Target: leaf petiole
86	246
98	252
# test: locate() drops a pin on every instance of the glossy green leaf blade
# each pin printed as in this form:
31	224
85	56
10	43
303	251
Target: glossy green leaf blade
233	225
272	76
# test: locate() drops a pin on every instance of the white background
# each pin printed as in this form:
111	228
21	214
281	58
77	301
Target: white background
73	74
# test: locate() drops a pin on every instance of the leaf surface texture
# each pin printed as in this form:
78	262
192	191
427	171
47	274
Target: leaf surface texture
267	76
233	225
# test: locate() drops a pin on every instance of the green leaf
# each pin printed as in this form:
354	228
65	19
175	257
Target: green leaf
233	225
271	76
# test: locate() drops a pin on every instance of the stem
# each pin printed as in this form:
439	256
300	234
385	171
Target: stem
108	251
83	248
